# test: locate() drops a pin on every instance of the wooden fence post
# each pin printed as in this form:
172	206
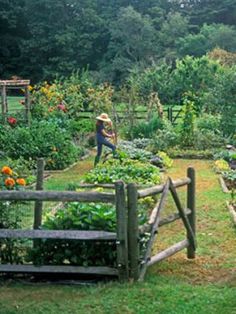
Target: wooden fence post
122	239
39	187
27	105
4	101
191	206
133	231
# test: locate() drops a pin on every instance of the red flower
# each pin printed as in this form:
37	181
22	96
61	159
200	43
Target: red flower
11	120
61	107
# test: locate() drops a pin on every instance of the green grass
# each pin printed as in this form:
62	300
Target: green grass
176	285
14	103
156	295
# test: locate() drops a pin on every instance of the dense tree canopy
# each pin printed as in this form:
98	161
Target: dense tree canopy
46	38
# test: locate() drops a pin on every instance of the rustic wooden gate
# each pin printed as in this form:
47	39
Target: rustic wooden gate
138	264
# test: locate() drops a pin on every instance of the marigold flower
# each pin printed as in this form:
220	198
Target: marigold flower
10	182
21	181
7	170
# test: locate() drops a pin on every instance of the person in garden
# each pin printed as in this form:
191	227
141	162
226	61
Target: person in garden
102	135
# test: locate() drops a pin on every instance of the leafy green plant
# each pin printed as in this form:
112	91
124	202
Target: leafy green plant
126	170
42	139
10	216
206	139
187	126
129	148
166	160
221	165
147	129
230	178
78	216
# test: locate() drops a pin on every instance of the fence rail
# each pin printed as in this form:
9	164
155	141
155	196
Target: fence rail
130	262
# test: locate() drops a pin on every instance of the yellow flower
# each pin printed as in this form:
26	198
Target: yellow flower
7	170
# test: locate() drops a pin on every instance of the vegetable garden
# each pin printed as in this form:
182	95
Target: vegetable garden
105	221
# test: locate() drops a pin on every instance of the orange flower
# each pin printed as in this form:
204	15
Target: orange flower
21	181
10	182
7	170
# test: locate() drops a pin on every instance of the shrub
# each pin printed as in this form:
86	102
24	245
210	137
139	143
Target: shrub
146	129
42	139
205	139
163	140
209	122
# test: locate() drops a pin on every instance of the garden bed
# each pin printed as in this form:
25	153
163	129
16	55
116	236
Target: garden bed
223	185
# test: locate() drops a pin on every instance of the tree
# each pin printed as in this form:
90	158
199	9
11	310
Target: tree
174	27
12	30
132	42
209	37
208	11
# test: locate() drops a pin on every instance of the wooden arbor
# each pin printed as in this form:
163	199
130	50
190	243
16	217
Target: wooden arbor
15	84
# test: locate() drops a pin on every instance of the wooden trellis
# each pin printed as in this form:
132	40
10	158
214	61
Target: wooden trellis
15	84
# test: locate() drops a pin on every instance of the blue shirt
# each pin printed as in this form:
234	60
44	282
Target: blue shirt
99	135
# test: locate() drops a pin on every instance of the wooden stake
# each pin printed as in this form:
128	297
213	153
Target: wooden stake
39	186
191	205
122	239
133	231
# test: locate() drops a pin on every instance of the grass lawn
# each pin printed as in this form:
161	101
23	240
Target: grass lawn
14	103
177	285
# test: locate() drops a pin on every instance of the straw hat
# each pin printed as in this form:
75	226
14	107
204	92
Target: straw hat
103	117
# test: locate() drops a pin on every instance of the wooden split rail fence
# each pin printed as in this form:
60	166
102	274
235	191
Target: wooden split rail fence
130	264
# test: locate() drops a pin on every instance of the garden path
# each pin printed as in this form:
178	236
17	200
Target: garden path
216	235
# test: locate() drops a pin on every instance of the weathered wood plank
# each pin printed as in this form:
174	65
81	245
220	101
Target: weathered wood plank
164	221
14	83
191	236
121	225
99	270
159	188
133	231
191	204
57	196
4	101
38	207
57	234
106	186
169	252
160	206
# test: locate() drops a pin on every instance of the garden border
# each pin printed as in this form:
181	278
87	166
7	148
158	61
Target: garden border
223	185
232	212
